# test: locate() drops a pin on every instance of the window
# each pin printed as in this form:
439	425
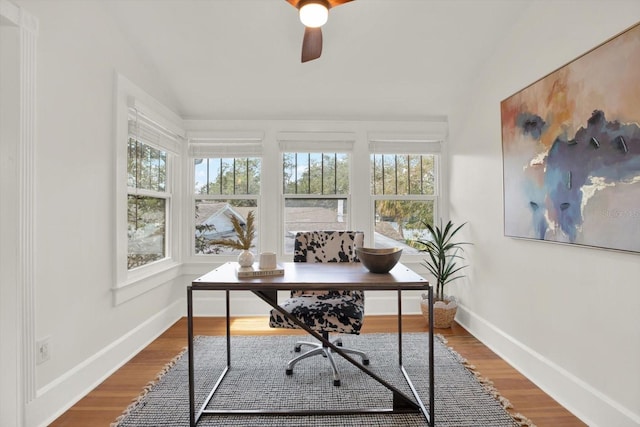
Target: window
147	203
316	193
224	188
404	192
291	180
148	146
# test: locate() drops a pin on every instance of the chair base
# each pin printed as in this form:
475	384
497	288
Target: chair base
325	351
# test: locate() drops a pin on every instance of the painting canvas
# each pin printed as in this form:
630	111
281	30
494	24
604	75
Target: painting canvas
571	151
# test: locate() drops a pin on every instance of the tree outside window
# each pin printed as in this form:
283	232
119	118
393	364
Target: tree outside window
147	204
403	188
224	188
316	193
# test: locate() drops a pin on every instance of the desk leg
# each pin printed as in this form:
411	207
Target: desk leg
192	414
399	327
428	416
228	330
431	361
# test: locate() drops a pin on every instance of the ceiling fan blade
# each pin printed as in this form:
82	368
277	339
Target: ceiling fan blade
335	3
311	44
332	3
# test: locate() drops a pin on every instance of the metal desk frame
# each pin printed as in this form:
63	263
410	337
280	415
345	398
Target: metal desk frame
266	288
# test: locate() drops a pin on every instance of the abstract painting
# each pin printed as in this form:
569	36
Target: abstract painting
571	151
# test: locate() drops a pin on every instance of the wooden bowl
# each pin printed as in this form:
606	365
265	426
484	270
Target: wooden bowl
379	260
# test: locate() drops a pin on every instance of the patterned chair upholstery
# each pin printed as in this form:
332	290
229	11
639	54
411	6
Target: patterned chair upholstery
324	311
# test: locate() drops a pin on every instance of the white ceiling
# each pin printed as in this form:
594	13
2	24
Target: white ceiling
240	59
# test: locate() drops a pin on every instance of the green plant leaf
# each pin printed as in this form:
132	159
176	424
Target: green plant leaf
443	254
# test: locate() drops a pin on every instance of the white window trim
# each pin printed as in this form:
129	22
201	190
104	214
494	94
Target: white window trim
418	143
315	142
219	144
129	284
357	137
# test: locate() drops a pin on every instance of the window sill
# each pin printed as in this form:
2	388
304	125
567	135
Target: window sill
144	282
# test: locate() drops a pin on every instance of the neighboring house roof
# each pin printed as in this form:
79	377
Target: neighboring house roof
217	215
314	218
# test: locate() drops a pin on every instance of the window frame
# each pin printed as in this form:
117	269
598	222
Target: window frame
164	131
314	196
414	144
271	138
221	144
165	195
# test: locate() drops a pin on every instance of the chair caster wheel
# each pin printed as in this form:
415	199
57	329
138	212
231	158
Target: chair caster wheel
336	383
296	349
365	362
289	371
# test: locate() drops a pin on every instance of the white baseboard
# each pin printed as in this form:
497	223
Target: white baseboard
591	406
56	397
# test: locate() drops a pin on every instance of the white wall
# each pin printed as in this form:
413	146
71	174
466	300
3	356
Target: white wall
9	296
568	317
549	309
78	50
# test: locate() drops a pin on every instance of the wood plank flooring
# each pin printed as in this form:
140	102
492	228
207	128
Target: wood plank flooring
107	401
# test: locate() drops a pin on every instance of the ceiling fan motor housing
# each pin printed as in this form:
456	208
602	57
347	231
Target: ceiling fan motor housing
303	3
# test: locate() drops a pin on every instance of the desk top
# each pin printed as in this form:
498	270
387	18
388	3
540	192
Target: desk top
309	276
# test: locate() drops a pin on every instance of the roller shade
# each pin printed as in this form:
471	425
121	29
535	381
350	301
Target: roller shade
153	130
408	143
316	142
205	144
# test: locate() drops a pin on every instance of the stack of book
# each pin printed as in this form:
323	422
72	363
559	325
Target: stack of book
256	271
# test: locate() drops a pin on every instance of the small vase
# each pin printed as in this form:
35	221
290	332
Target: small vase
245	258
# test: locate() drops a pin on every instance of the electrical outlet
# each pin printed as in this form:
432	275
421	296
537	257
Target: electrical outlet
43	350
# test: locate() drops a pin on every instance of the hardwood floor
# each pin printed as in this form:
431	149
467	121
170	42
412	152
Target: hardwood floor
107	401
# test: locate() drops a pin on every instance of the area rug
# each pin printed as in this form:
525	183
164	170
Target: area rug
257	380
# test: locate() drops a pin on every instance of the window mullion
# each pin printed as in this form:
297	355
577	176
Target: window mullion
220	177
321	173
408	174
395	164
421	175
309	173
208	176
383	175
233	174
335	173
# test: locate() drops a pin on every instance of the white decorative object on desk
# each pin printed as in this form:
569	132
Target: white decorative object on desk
268	260
245	258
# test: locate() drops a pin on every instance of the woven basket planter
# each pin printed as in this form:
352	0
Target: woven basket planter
443	311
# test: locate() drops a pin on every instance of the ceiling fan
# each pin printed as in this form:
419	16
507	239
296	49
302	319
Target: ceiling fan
313	14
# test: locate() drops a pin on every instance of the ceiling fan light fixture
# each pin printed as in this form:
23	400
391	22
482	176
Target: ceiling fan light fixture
314	14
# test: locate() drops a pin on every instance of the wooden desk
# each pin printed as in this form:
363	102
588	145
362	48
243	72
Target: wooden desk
310	276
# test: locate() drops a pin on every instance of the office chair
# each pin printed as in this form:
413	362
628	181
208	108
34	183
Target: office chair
324	311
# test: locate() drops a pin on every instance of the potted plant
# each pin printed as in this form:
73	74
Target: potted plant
443	264
243	242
